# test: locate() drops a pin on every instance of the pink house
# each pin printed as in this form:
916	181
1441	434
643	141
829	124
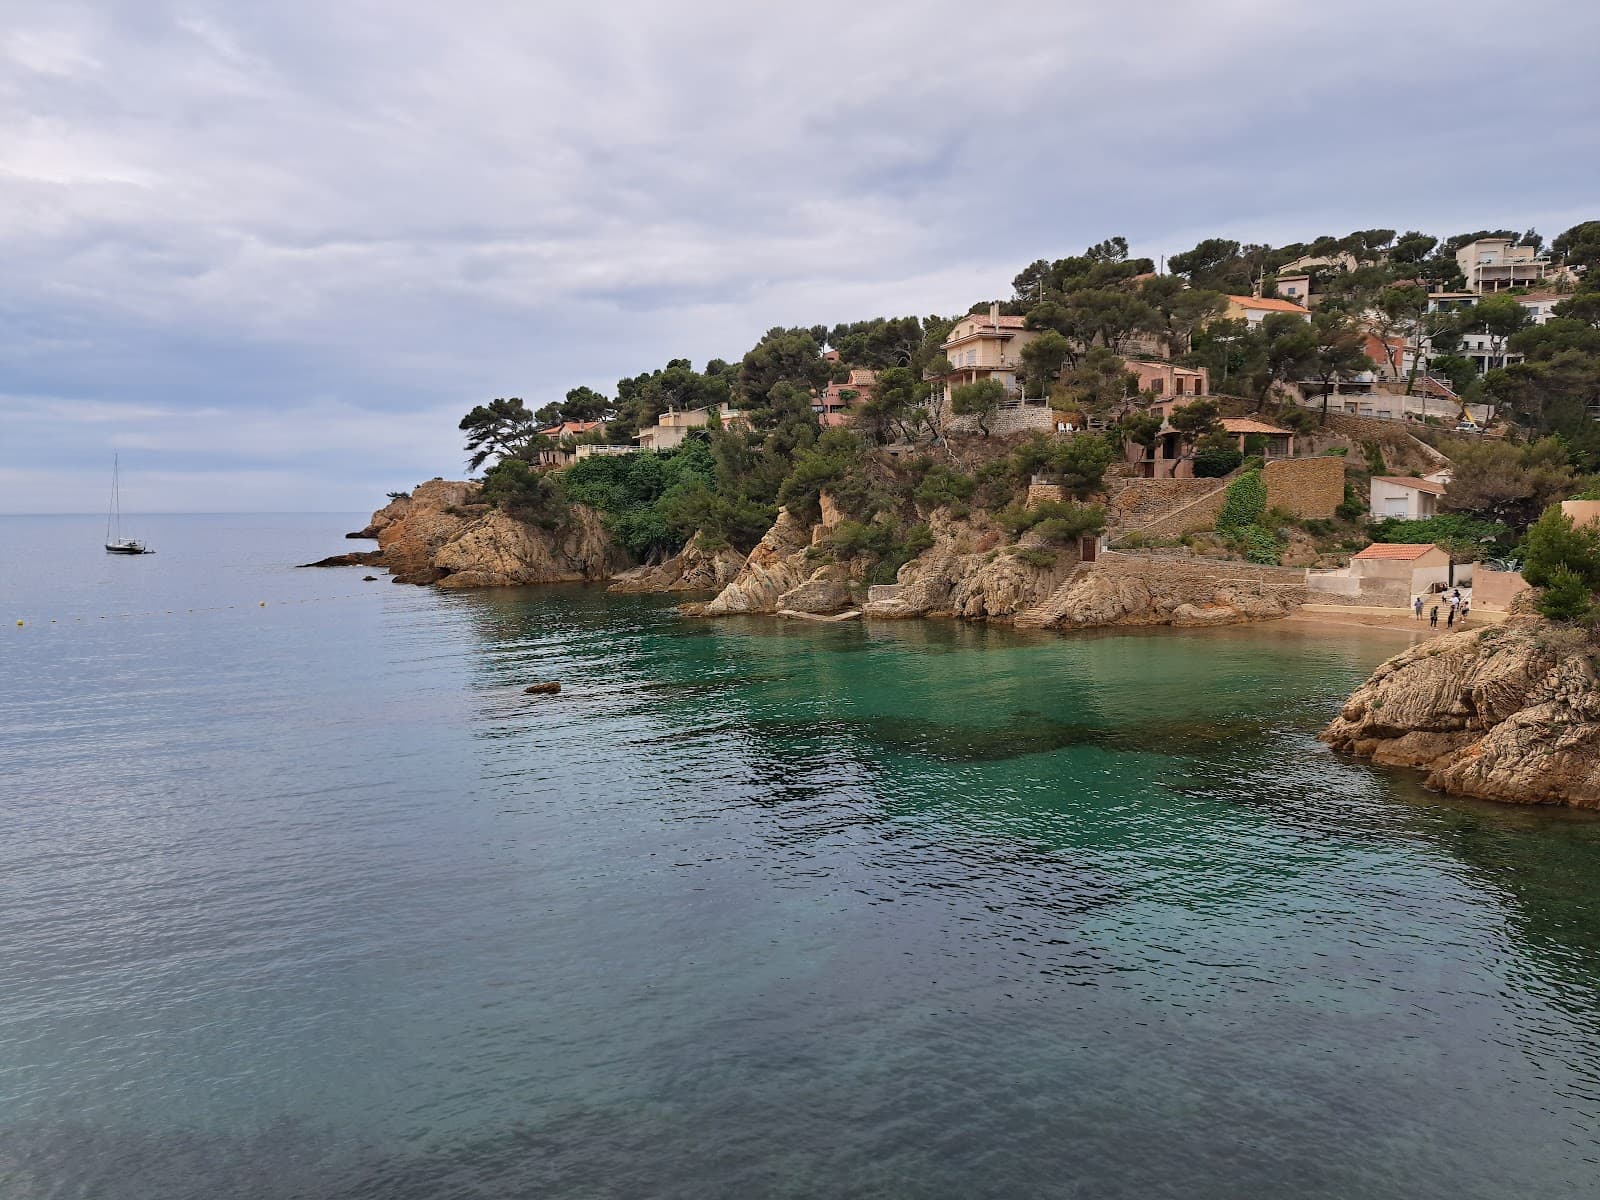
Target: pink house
1169	379
832	402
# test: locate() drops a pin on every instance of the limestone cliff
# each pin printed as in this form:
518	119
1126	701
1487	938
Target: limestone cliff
778	564
443	533
497	550
969	572
692	569
1508	713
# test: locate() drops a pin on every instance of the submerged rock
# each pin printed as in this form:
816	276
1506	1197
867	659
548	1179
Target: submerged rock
543	689
355	558
1509	713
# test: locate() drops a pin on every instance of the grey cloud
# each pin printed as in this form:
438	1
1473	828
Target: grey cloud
395	209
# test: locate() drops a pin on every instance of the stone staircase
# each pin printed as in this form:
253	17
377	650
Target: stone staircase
1044	613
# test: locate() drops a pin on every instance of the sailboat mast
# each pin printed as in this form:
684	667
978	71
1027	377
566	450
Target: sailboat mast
114	509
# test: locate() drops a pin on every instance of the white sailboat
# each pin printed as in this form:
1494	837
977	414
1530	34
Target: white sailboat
115	542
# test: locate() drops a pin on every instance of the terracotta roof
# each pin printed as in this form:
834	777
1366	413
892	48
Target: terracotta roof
860	377
1416	485
1531	297
566	428
1269	305
1249	425
1405	551
1003	322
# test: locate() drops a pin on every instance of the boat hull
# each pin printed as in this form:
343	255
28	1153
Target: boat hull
125	548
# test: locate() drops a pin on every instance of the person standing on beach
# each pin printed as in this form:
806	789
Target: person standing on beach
1450	621
1466	607
1433	618
1417	605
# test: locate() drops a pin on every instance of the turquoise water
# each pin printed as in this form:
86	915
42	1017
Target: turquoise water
311	900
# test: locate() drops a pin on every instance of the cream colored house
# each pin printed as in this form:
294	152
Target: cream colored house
672	426
1255	309
1386	575
983	347
1495	264
1404	499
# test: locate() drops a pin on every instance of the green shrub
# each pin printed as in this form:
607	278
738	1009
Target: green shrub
1040	559
1566	597
527	494
1466	538
1554	543
1215	463
1259	545
1245	502
1057	520
941	486
1352	507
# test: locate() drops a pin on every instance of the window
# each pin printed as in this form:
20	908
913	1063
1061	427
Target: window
1158	385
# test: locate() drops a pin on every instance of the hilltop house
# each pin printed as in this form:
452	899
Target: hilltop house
986	347
672	426
1495	264
832	403
562	435
1169	379
1255	309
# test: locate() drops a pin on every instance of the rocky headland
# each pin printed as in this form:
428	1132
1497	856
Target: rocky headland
443	533
1508	713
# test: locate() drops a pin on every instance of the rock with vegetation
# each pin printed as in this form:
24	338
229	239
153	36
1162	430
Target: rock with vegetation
695	568
777	565
1509	713
443	533
498	550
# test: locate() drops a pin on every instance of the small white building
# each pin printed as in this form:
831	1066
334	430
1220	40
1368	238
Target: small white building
1404	499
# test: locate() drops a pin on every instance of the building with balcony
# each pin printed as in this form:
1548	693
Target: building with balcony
1496	264
673	426
833	403
984	347
1169	379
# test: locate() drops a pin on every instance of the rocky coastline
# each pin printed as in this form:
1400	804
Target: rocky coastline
1509	713
442	533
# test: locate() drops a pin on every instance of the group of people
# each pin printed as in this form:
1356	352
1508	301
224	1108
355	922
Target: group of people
1459	608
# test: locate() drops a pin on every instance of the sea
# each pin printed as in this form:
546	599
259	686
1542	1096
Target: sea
302	895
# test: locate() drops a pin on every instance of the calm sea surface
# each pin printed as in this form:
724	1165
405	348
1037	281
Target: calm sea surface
309	900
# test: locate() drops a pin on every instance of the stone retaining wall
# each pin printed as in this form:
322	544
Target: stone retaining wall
1306	487
1021	419
1137	500
1283	581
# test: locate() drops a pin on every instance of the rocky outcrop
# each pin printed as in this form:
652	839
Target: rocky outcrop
443	533
777	565
970	573
692	569
355	558
411	530
1509	713
1138	590
497	550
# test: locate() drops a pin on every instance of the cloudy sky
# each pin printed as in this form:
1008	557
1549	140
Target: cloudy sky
270	252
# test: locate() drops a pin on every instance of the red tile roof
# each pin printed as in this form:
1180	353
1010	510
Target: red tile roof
569	428
1249	425
1269	305
1416	485
1406	551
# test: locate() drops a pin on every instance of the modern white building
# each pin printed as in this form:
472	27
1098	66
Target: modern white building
1404	499
1495	264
